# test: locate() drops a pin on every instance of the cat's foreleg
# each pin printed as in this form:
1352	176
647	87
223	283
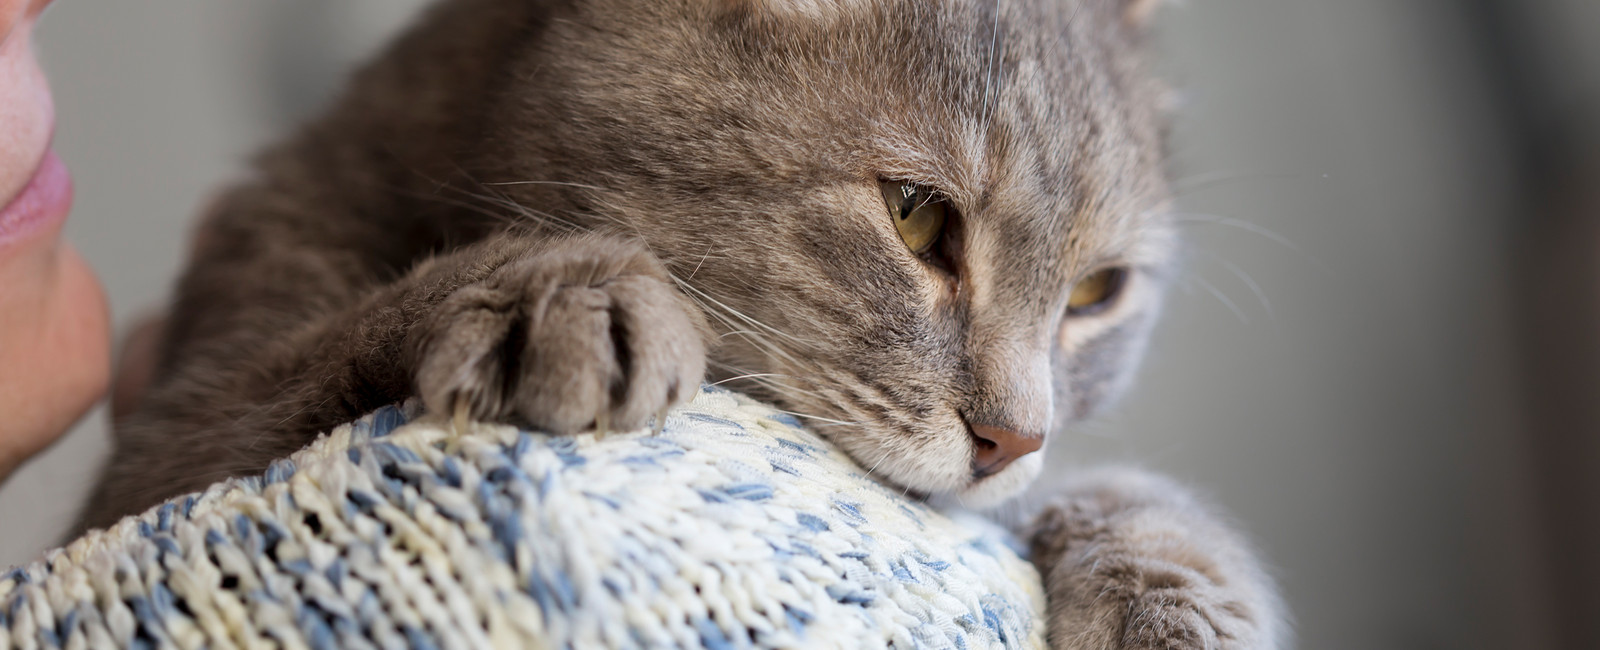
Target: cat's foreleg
557	334
1132	560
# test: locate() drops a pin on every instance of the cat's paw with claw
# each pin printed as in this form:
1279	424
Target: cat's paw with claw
1131	562
590	333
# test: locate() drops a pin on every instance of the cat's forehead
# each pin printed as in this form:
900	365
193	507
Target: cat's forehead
1035	112
966	93
1036	108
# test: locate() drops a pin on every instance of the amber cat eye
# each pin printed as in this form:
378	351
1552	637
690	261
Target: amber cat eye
1096	291
918	213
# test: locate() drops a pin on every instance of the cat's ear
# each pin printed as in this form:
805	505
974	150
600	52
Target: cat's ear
1137	13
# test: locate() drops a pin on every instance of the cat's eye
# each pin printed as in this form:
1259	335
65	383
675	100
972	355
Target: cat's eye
1096	291
919	213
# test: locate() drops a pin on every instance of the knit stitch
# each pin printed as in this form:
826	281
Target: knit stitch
732	528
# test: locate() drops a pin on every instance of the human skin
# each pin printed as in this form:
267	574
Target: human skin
54	324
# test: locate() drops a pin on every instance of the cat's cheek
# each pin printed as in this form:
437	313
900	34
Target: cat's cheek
1099	368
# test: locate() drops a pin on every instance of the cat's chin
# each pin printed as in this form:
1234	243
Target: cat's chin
996	489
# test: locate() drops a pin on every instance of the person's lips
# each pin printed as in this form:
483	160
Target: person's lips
44	201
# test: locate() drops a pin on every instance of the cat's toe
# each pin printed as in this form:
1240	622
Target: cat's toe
563	343
658	347
1168	621
463	352
608	356
1134	604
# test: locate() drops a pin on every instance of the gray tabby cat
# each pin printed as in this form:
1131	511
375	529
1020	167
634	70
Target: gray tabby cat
932	225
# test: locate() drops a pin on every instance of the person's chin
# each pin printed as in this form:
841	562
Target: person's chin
55	342
83	319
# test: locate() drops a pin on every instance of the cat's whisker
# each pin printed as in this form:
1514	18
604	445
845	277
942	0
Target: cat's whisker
498	198
464	205
818	418
747	376
744	333
767	380
445	185
238	421
847	401
784	392
874	468
1255	229
1208	180
1266	305
822	421
730	317
526	212
1213	290
560	183
701	263
708	309
988	75
750	320
843	403
831	401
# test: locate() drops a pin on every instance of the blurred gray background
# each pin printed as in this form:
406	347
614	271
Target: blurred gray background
1344	366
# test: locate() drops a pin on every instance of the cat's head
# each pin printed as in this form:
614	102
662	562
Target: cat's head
931	226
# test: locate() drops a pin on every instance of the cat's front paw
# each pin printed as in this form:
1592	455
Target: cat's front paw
1132	603
588	334
1133	563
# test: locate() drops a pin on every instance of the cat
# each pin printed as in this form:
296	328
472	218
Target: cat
934	228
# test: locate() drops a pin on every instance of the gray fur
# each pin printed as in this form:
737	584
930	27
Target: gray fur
562	213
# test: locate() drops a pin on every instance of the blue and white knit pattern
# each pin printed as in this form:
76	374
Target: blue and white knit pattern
733	528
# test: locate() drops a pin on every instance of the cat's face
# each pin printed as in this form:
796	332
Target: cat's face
766	150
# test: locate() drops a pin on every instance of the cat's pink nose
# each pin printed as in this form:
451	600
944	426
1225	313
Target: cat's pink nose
994	448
